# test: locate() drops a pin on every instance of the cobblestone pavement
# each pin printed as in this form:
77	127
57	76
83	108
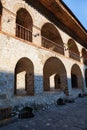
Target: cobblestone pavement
72	116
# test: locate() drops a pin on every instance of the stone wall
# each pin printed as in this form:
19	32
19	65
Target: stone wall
12	49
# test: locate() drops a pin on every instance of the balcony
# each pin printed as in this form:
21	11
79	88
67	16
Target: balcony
85	61
26	34
52	45
74	56
23	33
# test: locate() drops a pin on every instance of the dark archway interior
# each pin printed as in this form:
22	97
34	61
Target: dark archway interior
24	68
73	50
84	56
51	38
24	25
0	13
57	80
0	8
76	77
74	81
86	77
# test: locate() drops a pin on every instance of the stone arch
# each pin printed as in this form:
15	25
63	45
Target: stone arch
76	77
0	13
25	69
84	56
86	77
73	50
51	38
24	24
54	66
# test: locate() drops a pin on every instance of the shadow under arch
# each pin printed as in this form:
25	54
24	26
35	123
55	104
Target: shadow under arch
76	77
73	50
24	24
25	68
0	13
51	38
86	77
54	66
84	56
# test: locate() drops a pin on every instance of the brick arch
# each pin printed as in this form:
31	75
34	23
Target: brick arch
54	66
51	38
73	50
24	24
84	56
24	68
0	13
86	77
76	77
17	5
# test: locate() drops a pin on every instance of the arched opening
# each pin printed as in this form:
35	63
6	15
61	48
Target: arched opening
76	77
84	56
73	50
54	68
86	77
24	77
51	38
57	81
74	81
24	25
0	13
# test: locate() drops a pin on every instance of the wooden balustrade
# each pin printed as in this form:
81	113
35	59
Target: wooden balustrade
52	45
74	56
23	33
85	61
26	34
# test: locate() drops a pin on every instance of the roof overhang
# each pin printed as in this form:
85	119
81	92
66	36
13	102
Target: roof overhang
59	9
67	19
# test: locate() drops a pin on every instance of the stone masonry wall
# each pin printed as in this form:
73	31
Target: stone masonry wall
12	49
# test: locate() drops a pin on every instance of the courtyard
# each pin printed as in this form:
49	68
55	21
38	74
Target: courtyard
71	116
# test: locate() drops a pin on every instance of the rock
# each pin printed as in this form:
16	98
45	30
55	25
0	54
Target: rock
60	101
69	100
80	95
26	113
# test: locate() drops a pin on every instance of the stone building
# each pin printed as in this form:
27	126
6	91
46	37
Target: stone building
42	51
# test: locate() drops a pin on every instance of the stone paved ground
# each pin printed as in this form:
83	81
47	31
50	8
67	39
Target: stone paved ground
72	116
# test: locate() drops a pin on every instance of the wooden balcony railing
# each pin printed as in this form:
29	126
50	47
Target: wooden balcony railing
74	56
26	34
52	45
23	33
85	61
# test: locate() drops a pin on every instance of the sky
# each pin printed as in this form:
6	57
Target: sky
79	9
